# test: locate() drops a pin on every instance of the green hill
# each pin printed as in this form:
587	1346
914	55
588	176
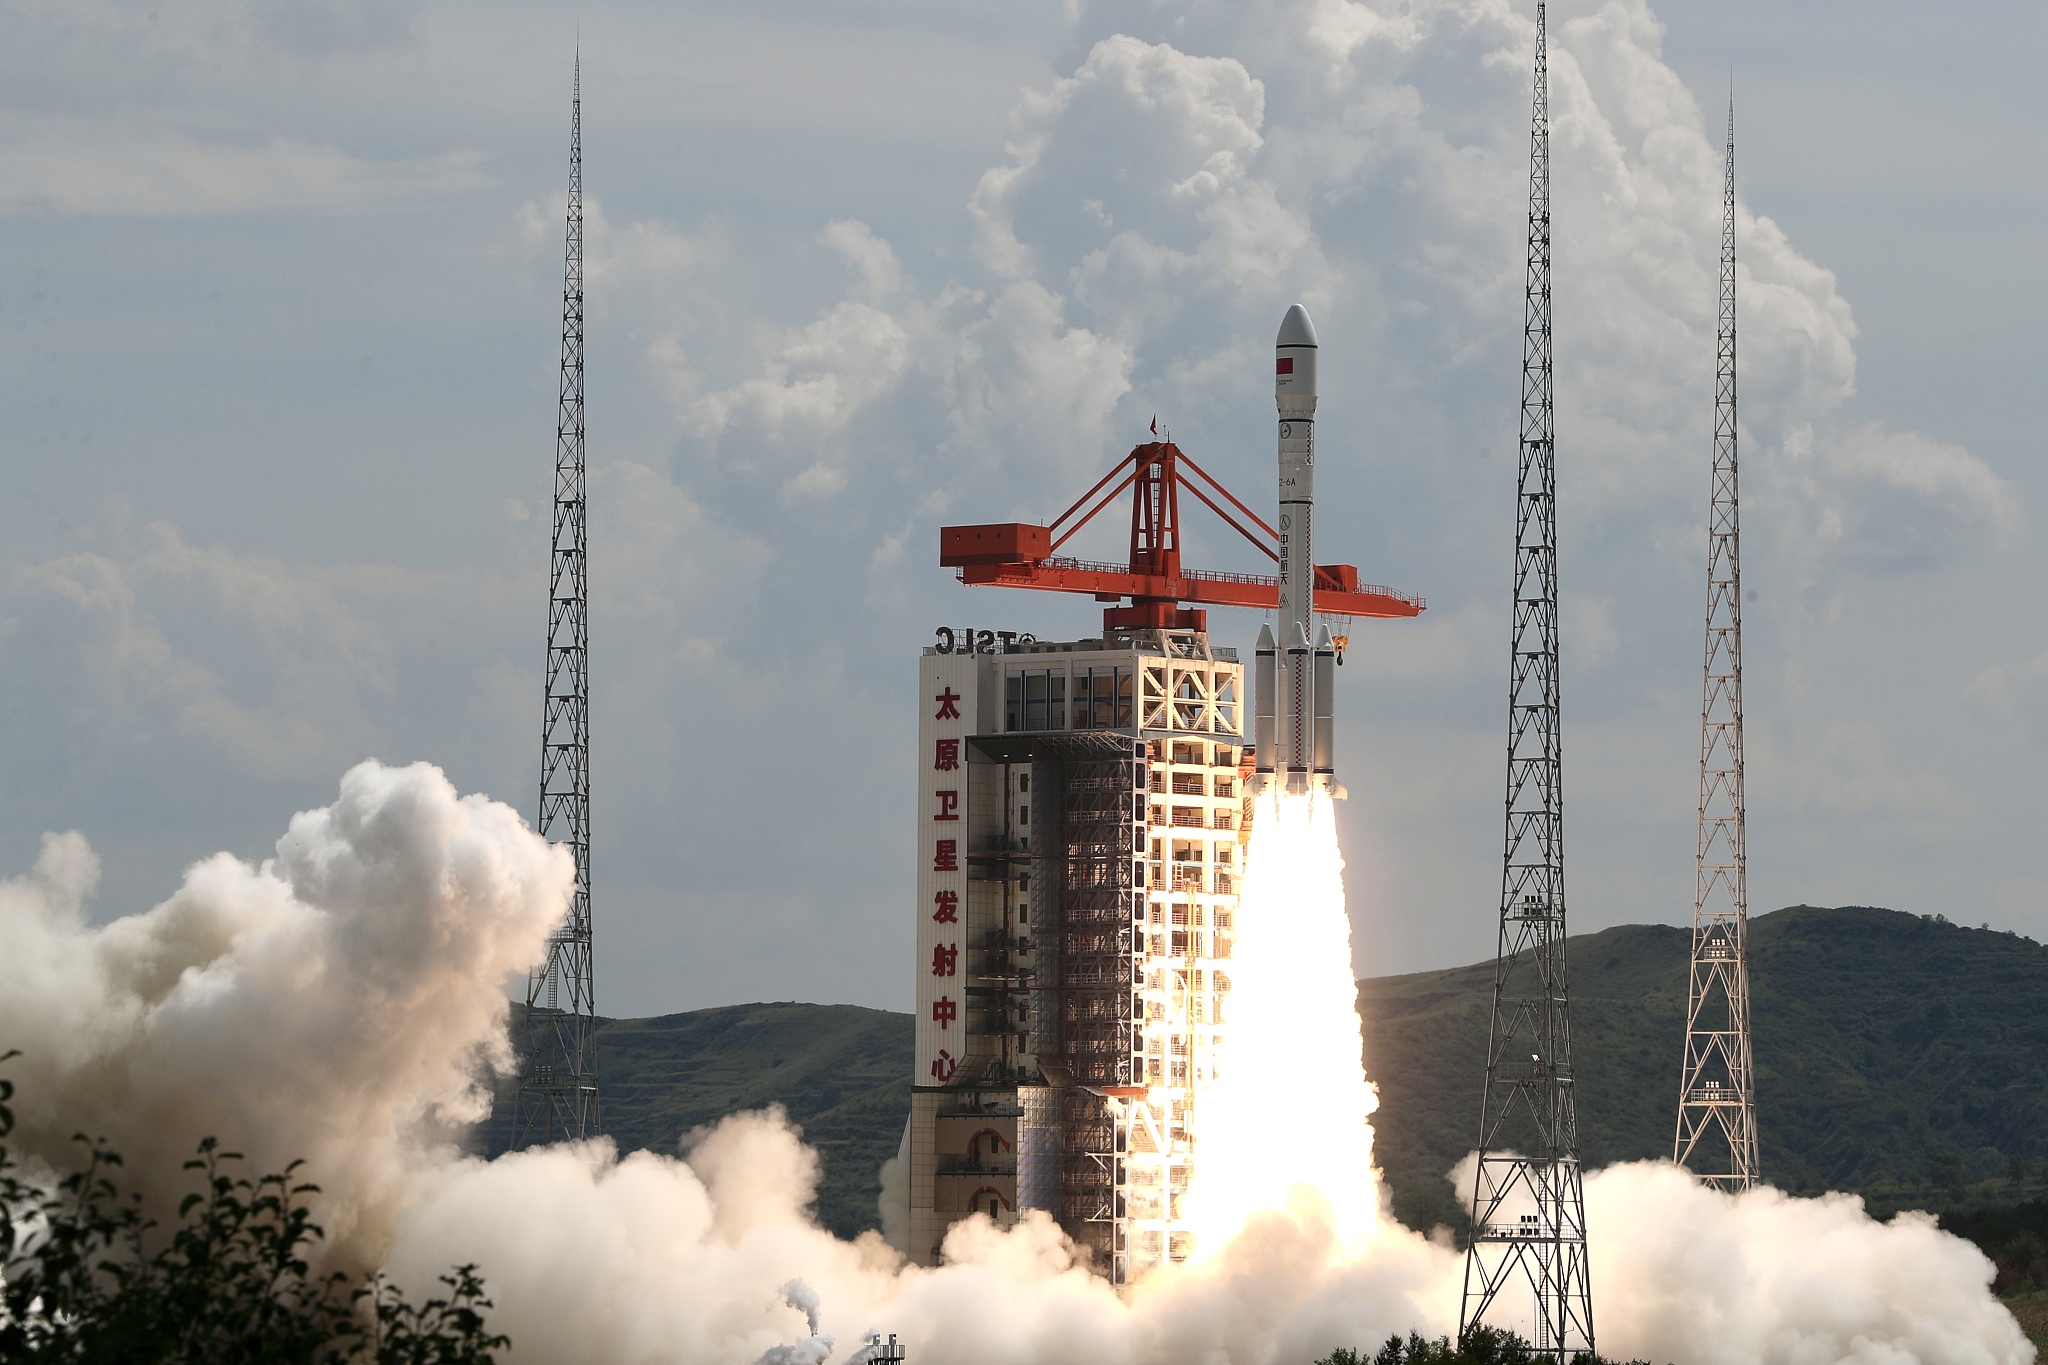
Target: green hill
1903	1056
842	1072
1895	1054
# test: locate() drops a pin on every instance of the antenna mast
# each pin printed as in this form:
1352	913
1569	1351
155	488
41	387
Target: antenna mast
1717	1090
1528	1207
558	1088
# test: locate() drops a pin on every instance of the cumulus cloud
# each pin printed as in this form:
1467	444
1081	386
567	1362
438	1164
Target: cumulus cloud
1189	126
288	668
1154	209
818	375
1895	499
278	665
118	615
1844	768
97	168
2002	686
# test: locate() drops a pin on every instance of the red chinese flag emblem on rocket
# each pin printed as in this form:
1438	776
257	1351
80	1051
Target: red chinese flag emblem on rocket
1284	365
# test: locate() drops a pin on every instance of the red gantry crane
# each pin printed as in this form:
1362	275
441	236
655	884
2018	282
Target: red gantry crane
1019	555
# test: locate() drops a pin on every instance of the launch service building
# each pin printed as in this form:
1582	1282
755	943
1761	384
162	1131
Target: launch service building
1081	825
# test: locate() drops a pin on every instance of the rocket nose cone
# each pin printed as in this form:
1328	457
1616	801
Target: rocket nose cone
1296	329
1265	637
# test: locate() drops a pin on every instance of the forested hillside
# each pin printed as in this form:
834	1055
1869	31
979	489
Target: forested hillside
1897	1054
842	1072
1903	1056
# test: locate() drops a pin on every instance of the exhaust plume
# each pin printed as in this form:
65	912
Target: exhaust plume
339	1002
1290	1065
342	1001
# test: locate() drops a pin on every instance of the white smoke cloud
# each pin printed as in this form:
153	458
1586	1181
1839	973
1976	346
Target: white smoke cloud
1685	1273
334	1003
338	1002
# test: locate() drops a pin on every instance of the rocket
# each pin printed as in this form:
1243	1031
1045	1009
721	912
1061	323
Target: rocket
1292	679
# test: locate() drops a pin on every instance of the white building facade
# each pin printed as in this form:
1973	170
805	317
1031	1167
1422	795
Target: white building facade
1081	826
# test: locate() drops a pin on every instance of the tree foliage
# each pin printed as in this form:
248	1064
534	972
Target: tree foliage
2016	1240
87	1277
1481	1345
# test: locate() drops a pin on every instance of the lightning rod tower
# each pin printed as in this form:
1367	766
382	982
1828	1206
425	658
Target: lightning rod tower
1528	1205
558	1083
1717	1090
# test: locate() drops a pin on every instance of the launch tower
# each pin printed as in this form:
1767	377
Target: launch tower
1082	816
558	1078
1716	1090
1528	1208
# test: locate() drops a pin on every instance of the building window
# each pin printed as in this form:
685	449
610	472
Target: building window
1102	699
1035	699
1023	815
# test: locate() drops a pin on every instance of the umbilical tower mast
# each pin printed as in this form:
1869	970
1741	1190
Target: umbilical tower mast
558	1083
1717	1090
1528	1206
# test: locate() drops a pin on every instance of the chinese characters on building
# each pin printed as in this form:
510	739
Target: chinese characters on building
948	712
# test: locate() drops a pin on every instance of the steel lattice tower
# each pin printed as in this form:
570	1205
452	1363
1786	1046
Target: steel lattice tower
1717	1090
558	1086
1528	1208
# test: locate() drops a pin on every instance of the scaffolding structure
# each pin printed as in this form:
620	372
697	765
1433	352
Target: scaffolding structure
1528	1206
1089	890
558	1080
1717	1088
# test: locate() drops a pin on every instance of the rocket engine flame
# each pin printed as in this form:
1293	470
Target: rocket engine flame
1286	1121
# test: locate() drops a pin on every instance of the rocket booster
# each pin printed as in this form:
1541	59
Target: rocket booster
1293	679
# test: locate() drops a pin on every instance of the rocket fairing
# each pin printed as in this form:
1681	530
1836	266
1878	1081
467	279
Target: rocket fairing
1293	680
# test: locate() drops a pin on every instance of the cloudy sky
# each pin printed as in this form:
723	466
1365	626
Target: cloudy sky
278	343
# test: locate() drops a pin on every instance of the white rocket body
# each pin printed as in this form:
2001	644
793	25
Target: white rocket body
1292	677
